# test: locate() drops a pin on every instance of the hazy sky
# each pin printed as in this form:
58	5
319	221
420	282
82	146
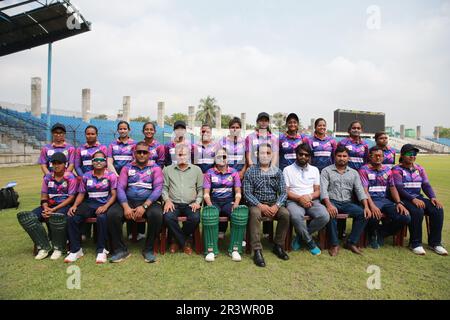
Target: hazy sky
309	57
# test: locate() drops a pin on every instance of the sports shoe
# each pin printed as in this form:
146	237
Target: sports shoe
119	256
221	235
296	244
210	257
42	254
140	236
235	256
419	251
149	257
315	251
102	257
440	250
83	237
74	256
56	255
130	236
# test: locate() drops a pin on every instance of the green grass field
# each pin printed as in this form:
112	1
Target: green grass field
177	276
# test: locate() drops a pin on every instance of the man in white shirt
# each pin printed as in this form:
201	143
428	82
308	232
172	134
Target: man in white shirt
303	187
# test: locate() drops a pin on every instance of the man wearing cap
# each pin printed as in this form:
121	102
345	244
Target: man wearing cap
410	179
182	195
57	194
58	144
290	140
261	135
265	192
179	130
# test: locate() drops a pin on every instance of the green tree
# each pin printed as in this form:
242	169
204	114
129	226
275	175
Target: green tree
279	121
225	120
175	117
141	119
207	110
101	117
444	132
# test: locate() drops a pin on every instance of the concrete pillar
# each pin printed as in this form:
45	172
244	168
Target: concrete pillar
244	123
36	97
161	112
191	117
312	125
218	119
85	104
126	108
436	132
402	131
418	132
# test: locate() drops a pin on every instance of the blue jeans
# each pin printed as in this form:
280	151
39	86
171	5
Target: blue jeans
394	222
354	211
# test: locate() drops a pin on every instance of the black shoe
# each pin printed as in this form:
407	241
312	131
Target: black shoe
279	252
258	258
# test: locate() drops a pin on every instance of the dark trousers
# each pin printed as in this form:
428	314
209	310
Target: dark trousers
356	212
392	224
171	220
115	218
85	211
38	213
225	209
415	227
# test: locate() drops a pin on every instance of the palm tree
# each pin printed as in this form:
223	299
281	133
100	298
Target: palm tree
207	111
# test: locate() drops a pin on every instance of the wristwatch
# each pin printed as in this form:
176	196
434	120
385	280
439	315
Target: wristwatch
145	206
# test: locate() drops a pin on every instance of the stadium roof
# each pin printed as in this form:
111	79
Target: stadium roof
28	24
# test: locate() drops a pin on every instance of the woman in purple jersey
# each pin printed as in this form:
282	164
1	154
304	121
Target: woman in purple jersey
358	149
322	145
120	151
382	139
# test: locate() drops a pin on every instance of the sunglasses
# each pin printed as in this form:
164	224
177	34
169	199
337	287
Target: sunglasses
410	154
98	160
142	151
221	157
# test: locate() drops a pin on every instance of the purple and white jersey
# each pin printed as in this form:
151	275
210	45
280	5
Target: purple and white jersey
358	152
322	151
50	149
287	145
389	157
170	157
235	151
203	156
221	184
157	153
98	190
254	140
83	158
59	191
376	181
121	153
140	184
412	180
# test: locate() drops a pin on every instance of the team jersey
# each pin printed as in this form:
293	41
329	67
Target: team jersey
235	151
121	153
59	191
221	184
97	190
203	156
83	158
412	181
287	145
254	140
322	151
170	157
140	184
389	157
376	181
50	149
157	153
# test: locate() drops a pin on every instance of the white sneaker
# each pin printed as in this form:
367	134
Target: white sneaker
210	257
419	251
72	257
102	257
221	235
140	236
56	255
235	256
265	235
83	237
130	236
42	254
440	250
244	244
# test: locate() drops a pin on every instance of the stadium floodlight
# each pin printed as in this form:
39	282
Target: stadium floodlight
30	23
